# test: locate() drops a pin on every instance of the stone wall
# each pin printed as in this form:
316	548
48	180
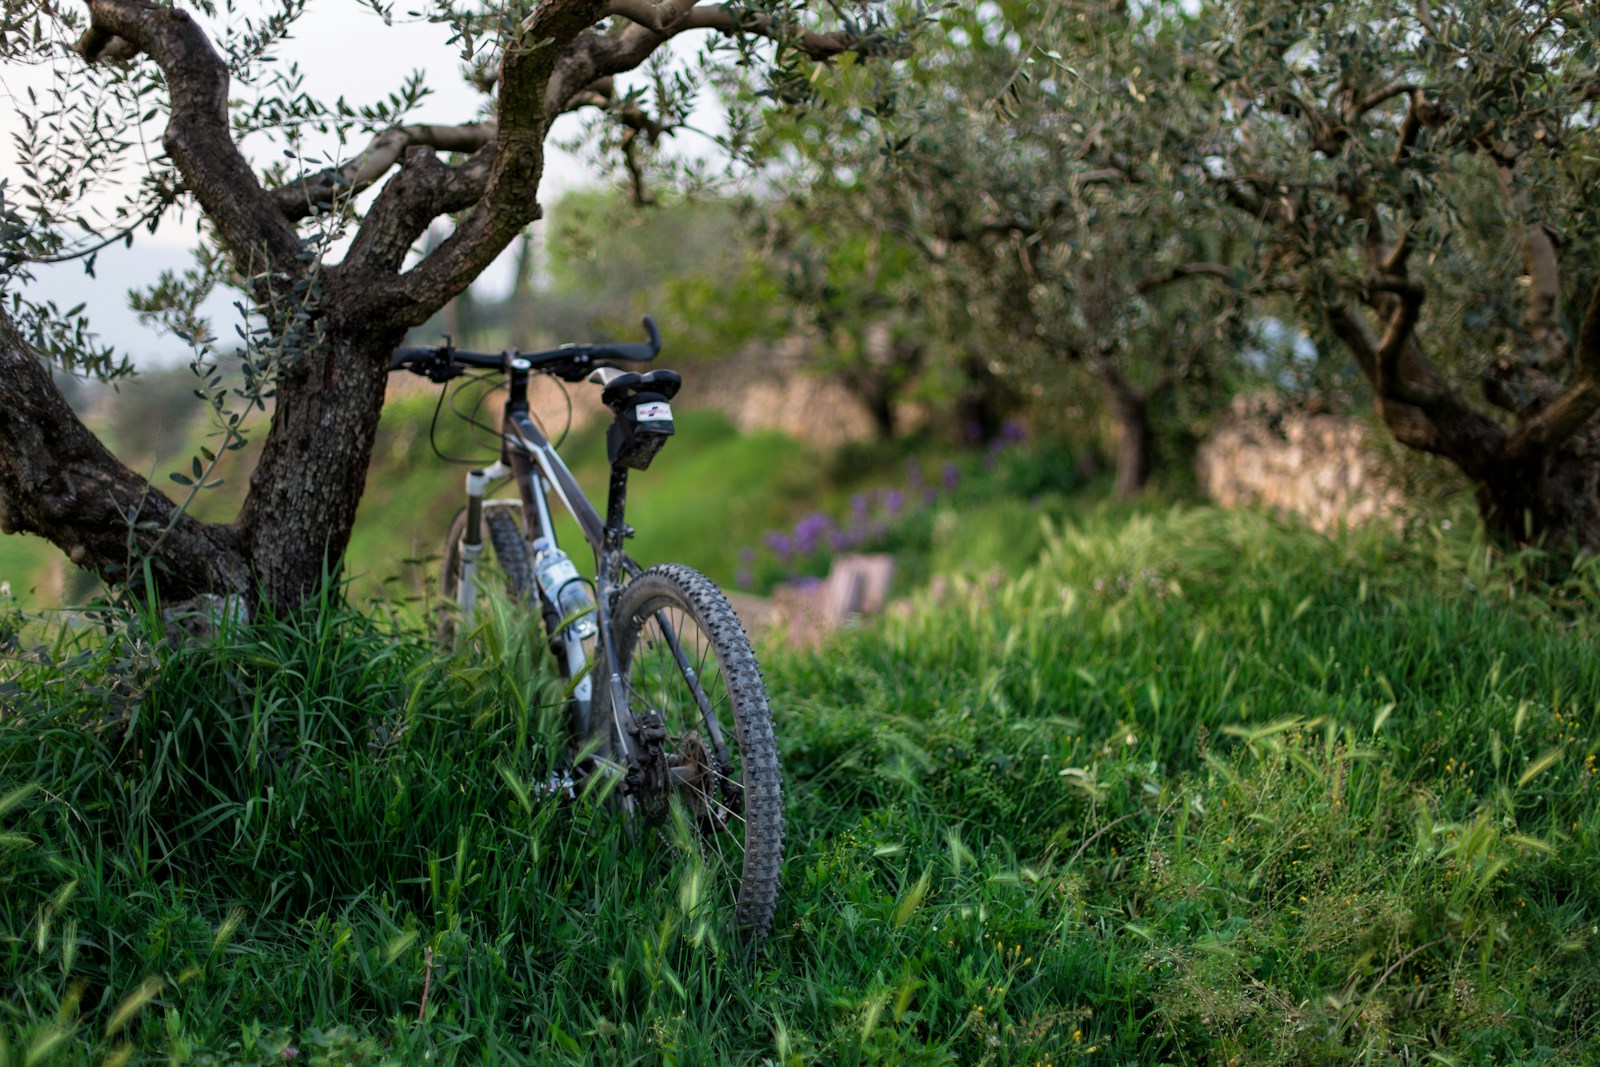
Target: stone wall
764	387
1318	468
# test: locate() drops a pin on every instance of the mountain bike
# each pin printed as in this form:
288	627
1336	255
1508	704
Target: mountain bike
665	702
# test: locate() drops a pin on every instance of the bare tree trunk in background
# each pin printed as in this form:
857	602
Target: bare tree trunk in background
1134	463
1130	414
983	403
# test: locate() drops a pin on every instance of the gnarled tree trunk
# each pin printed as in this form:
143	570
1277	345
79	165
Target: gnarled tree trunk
303	495
58	481
1552	501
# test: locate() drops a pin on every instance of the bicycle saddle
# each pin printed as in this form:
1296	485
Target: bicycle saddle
620	387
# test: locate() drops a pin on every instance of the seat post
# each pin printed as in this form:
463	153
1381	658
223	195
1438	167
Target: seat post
616	505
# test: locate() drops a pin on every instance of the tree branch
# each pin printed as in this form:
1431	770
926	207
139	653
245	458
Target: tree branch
1181	272
1410	129
509	197
1541	317
423	190
599	55
197	136
1396	335
58	481
1355	108
311	192
1409	423
724	19
1247	196
648	13
1420	408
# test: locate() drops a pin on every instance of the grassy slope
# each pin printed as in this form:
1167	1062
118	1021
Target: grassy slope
1195	789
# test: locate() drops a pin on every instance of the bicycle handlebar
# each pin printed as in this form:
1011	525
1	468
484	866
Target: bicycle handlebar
568	362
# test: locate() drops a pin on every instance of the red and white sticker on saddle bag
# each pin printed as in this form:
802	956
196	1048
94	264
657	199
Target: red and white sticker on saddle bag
653	411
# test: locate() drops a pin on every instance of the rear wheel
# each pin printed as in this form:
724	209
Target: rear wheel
703	735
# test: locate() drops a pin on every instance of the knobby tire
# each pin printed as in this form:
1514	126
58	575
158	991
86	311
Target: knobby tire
744	849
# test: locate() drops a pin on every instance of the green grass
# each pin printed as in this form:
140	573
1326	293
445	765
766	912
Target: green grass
1194	788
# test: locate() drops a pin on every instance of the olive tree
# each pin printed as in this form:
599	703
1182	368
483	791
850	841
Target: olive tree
853	284
327	257
1420	178
1043	268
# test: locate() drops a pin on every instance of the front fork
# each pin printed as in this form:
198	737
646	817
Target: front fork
570	645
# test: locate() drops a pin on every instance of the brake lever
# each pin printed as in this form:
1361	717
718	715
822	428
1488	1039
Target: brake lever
443	369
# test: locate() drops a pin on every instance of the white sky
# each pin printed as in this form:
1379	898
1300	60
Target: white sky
342	48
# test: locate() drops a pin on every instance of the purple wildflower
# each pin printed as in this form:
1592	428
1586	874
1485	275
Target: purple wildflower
951	477
808	532
1012	432
744	579
747	554
779	543
894	501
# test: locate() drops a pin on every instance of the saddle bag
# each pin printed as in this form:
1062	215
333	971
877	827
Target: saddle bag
642	426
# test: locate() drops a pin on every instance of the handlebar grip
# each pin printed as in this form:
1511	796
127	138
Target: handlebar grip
403	356
630	353
633	352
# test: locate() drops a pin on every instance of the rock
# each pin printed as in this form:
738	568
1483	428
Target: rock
1316	468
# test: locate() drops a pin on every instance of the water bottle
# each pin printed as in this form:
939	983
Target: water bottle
558	578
